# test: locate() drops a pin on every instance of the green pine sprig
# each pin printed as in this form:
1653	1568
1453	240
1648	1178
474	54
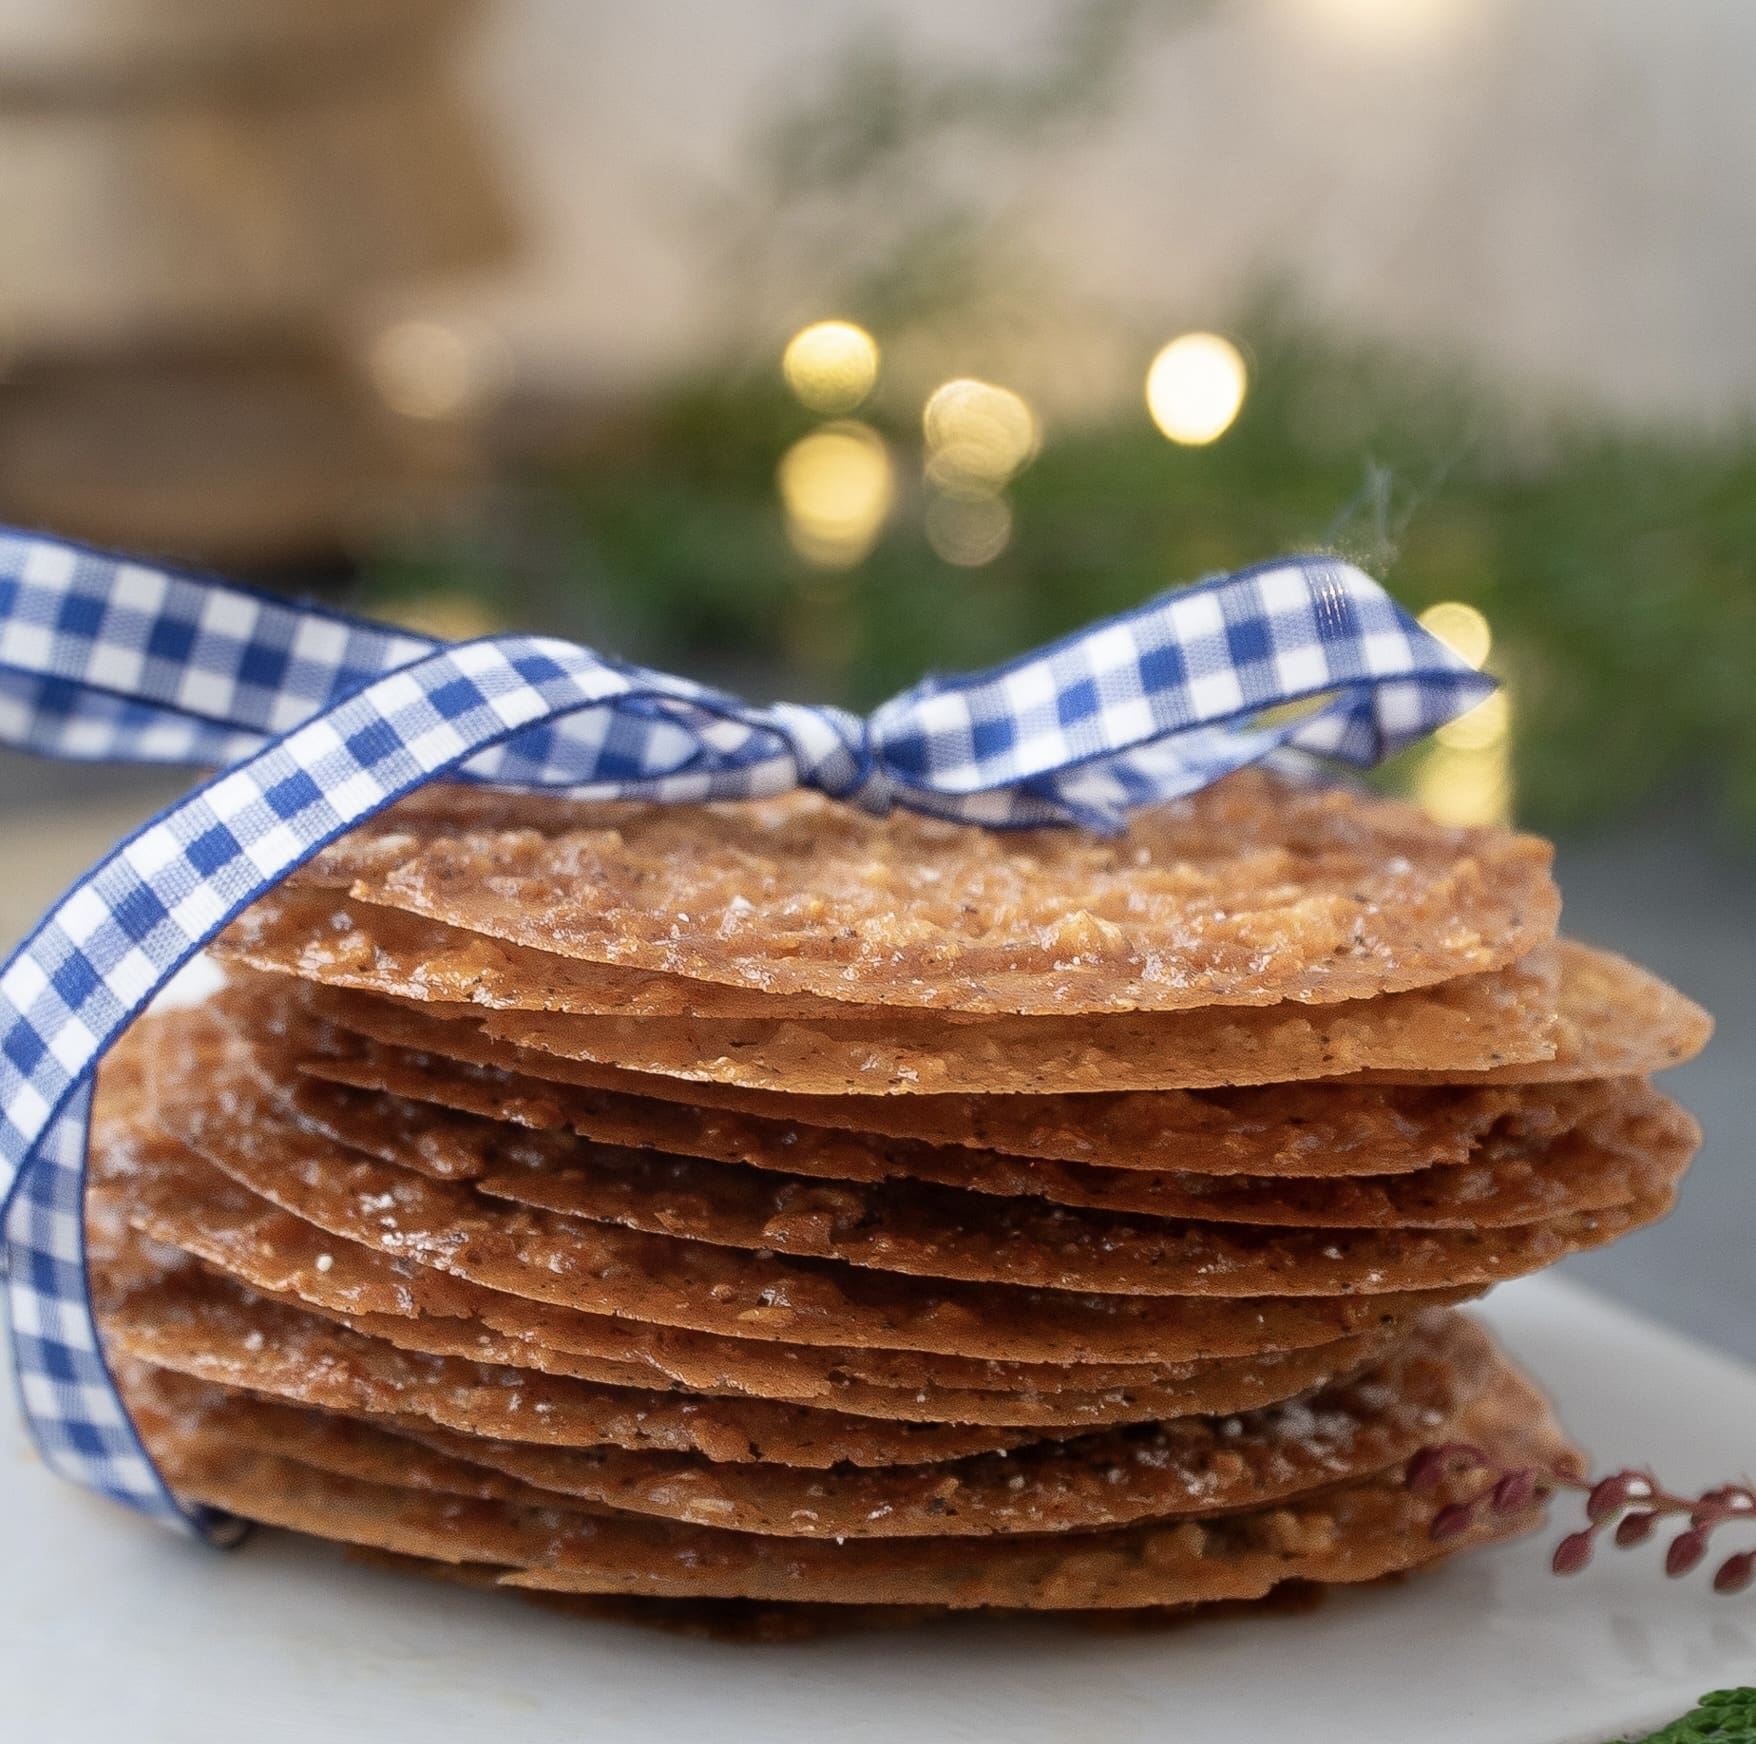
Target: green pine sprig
1725	1716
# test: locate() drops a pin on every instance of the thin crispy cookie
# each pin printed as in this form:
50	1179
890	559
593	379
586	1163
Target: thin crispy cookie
180	1202
1617	1020
698	1029
1472	1023
1249	892
195	1210
322	935
935	1233
924	1231
1153	1471
660	1279
1334	1126
212	1330
1199	1466
1516	1177
1356	1532
166	1405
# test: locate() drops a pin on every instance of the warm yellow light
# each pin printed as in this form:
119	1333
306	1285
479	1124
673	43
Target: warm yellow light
427	369
1486	724
452	617
1466	777
836	486
969	530
978	435
831	365
1389	24
1461	628
1466	787
1195	387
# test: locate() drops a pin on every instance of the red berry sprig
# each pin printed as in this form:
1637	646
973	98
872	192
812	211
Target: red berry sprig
1628	1506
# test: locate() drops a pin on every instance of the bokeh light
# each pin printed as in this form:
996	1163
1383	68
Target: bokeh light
831	365
1195	387
433	370
1461	628
1466	787
978	436
1465	776
969	530
450	616
1387	24
836	486
1488	723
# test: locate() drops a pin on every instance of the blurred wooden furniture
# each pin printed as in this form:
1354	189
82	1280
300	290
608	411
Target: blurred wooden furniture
197	195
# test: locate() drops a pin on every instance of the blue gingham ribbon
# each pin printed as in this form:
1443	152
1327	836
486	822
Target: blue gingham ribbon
318	721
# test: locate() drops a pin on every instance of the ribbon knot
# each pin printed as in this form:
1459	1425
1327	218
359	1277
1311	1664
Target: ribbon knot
835	754
317	721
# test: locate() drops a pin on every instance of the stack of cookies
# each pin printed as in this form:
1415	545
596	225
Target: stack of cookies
770	1211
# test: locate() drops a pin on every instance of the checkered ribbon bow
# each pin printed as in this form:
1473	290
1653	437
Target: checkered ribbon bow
317	721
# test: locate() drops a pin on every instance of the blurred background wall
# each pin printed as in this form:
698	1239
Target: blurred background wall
807	347
1563	190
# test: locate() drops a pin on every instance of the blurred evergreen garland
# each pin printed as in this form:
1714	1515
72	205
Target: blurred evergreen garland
1617	566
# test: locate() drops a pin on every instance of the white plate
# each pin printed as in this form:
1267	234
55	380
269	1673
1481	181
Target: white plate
113	1631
